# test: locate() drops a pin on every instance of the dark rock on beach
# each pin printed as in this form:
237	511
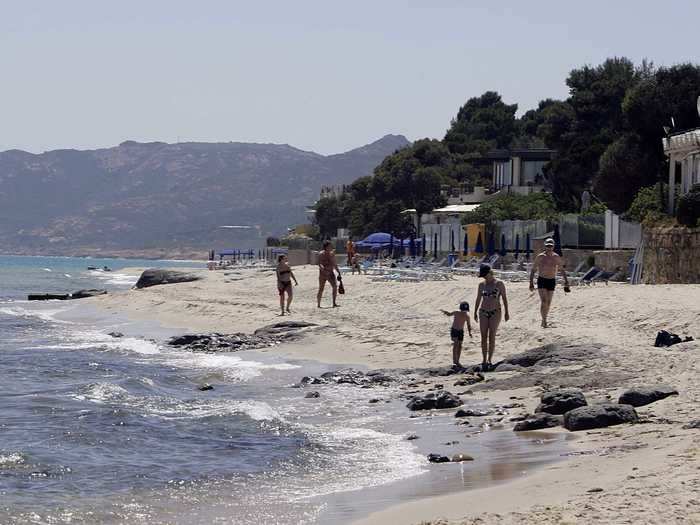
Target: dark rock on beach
82	294
154	277
469	379
437	458
283	330
553	355
538	422
641	396
431	401
469	412
206	387
598	416
312	395
561	401
116	335
458	458
348	376
692	424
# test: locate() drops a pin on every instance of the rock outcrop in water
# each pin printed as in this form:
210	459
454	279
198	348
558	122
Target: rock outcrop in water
80	294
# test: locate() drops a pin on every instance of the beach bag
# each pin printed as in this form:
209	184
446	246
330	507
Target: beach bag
664	338
341	288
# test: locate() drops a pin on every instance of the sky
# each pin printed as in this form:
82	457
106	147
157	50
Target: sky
324	76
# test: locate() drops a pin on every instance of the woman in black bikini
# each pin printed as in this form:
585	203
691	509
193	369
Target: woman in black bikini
284	282
487	312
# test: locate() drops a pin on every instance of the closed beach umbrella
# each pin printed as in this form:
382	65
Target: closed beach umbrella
424	247
465	250
517	245
527	247
557	239
452	240
391	246
503	251
492	244
435	246
479	248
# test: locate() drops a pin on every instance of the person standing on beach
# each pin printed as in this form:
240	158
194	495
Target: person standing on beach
461	317
350	251
546	265
487	312
284	282
326	266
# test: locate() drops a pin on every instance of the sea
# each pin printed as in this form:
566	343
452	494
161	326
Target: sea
102	429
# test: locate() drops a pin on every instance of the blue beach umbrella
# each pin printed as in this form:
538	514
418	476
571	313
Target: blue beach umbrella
452	240
527	247
491	245
435	246
517	245
479	248
423	247
504	250
465	250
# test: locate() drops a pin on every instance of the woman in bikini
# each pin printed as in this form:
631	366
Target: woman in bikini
284	282
487	312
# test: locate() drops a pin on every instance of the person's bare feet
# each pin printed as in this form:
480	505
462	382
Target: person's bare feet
336	306
289	311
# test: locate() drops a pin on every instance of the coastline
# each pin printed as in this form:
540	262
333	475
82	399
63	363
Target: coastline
396	325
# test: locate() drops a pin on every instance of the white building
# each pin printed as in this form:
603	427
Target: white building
683	152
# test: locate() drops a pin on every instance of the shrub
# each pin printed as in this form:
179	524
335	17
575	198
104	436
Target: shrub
647	203
689	207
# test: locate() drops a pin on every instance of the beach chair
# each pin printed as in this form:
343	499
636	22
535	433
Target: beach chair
586	278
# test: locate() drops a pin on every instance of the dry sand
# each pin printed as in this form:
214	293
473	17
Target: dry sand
645	473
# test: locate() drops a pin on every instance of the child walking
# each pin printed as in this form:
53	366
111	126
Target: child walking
461	317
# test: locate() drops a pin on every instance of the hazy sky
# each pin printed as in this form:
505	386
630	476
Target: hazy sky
320	75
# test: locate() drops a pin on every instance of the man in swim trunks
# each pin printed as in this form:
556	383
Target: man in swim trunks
546	265
326	266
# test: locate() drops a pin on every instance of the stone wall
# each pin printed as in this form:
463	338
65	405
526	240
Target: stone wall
671	255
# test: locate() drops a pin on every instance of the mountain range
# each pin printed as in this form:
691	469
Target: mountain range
157	199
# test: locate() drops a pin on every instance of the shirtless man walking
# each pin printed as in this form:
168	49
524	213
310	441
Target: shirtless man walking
546	265
326	265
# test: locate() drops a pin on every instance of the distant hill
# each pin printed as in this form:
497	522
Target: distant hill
163	199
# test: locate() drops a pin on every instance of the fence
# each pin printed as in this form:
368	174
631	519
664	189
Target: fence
621	234
519	229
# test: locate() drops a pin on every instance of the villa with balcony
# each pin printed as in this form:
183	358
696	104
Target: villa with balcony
683	152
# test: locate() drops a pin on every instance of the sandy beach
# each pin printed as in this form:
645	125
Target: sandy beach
641	473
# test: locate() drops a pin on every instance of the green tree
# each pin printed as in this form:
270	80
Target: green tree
623	170
481	124
511	206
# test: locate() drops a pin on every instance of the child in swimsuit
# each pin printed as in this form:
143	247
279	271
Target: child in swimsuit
461	317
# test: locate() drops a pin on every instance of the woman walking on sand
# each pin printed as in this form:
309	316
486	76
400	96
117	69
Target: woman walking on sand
487	312
284	282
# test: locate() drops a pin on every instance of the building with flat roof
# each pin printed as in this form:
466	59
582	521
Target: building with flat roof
519	170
